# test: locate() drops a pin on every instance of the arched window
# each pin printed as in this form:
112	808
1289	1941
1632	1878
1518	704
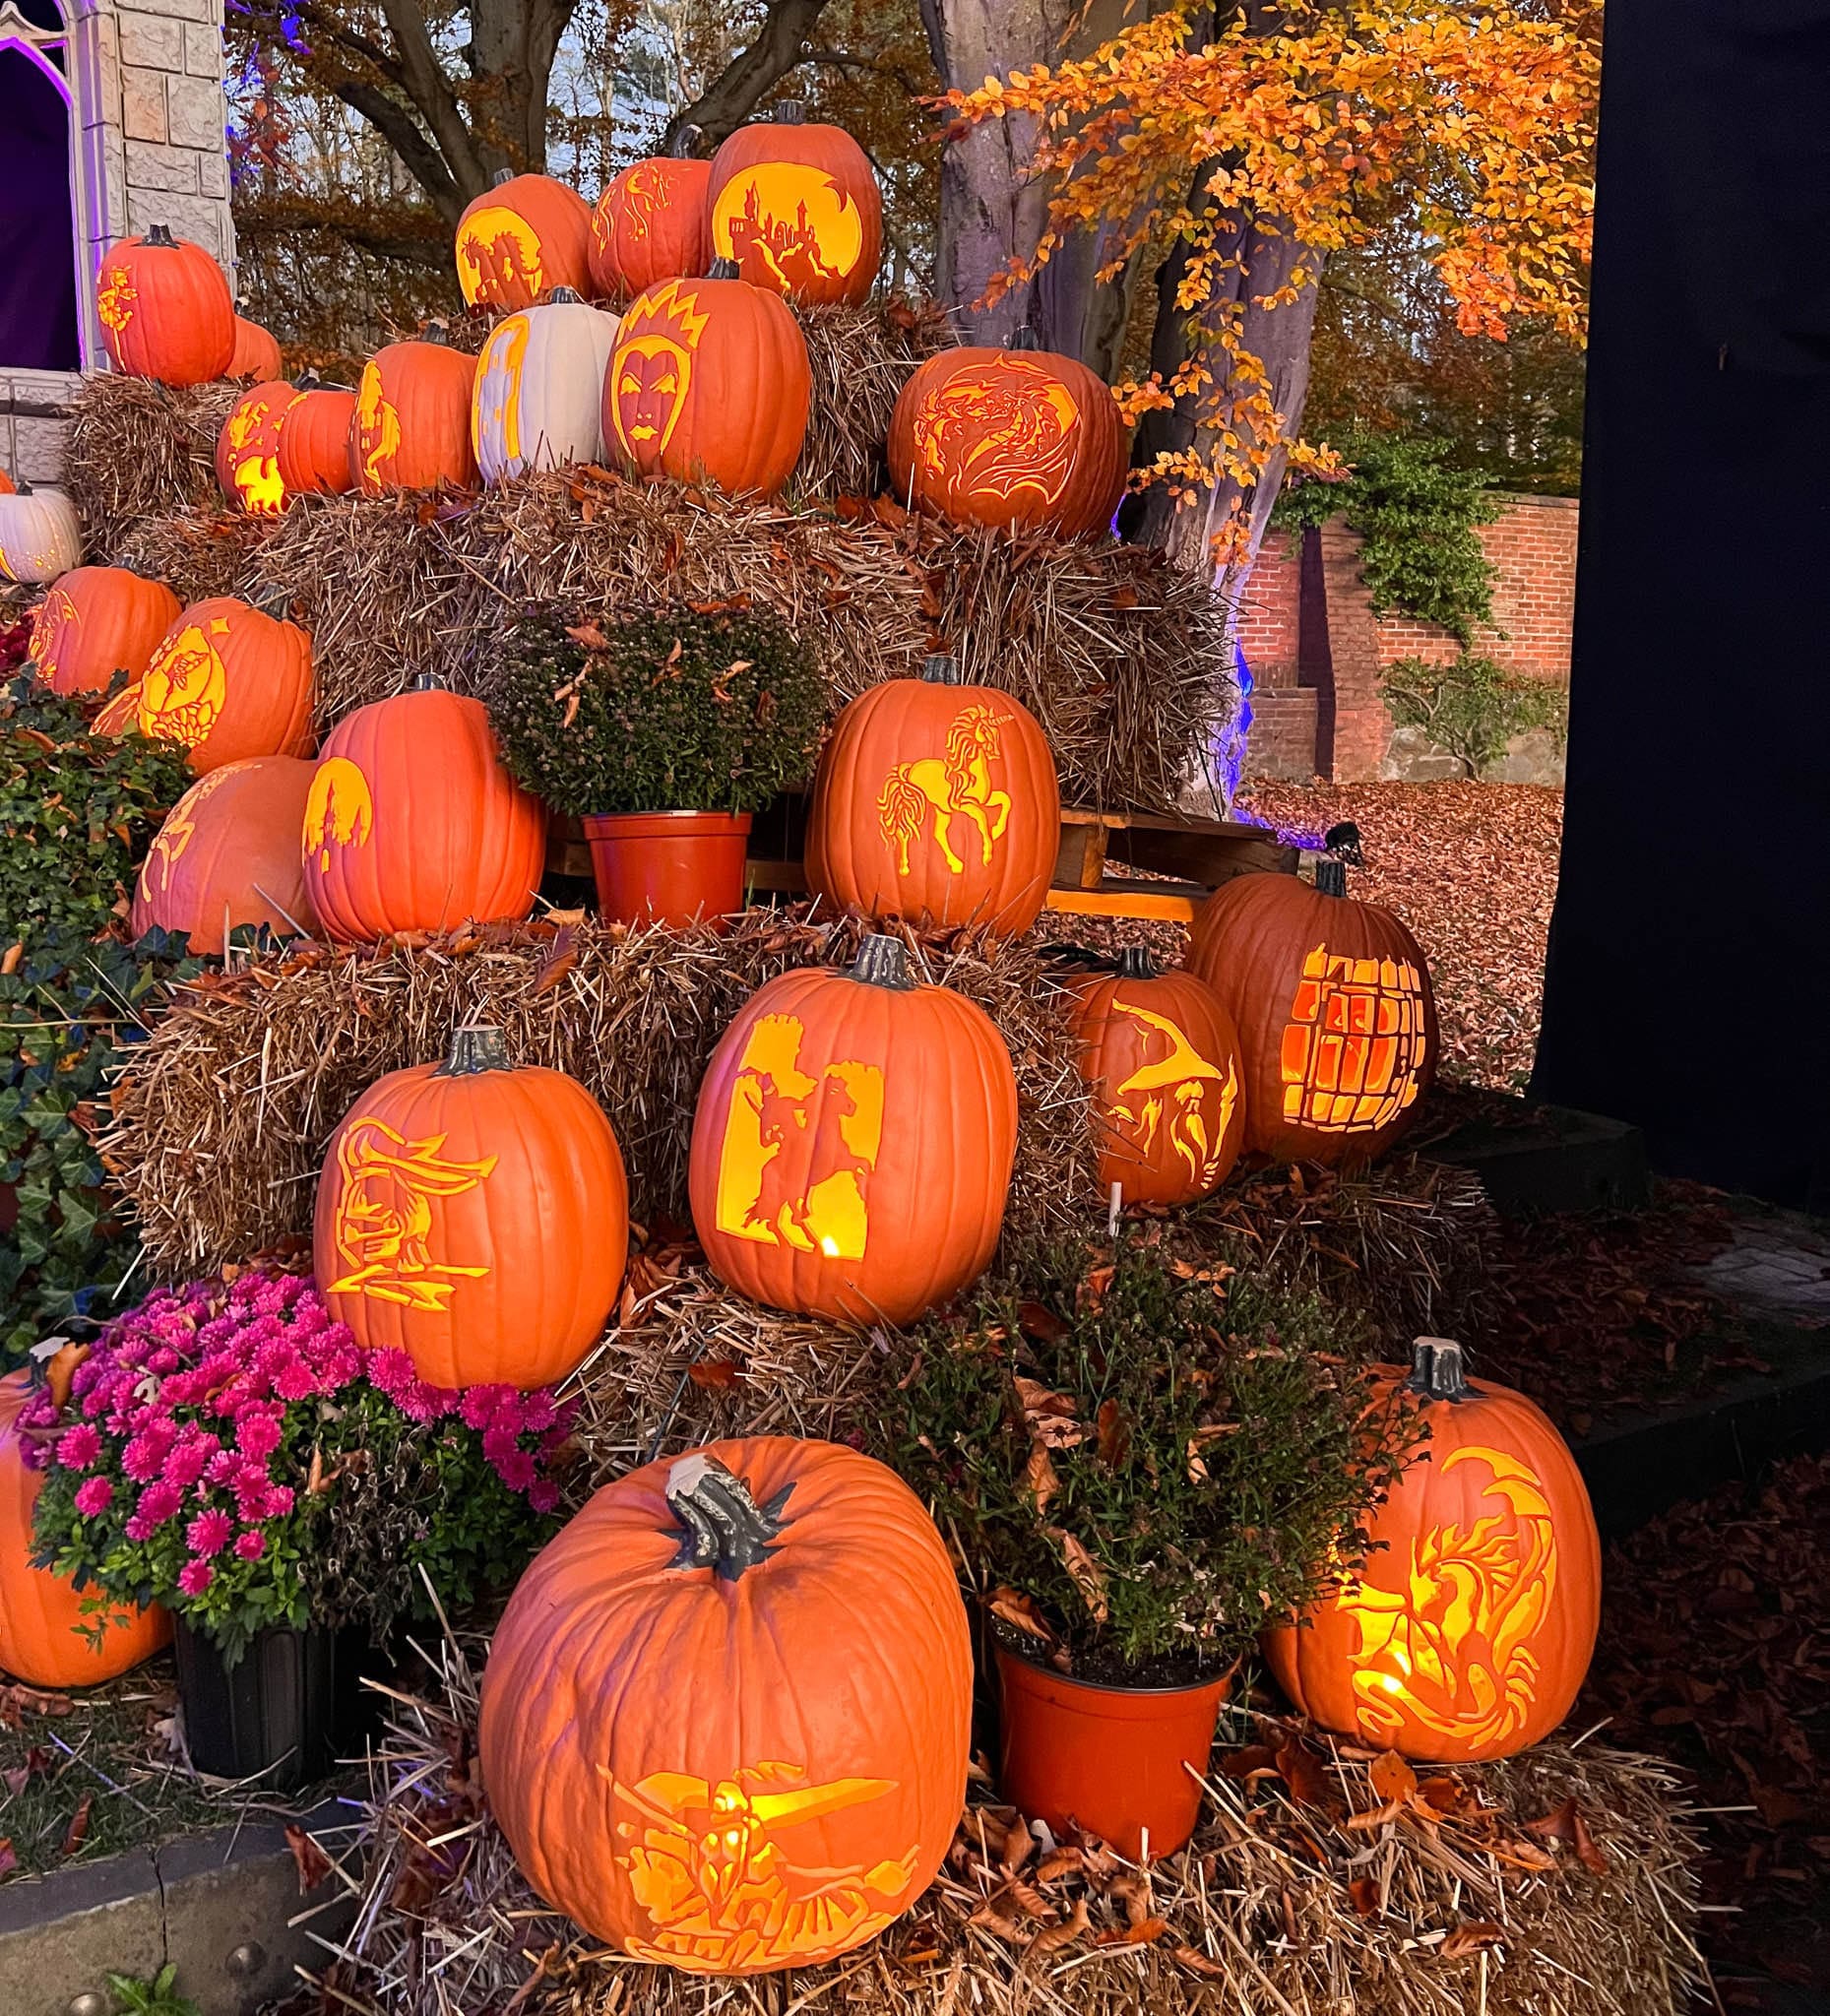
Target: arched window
39	315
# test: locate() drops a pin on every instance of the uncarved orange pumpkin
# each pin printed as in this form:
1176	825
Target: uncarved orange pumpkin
1468	1632
1022	439
726	1713
1163	1059
936	801
474	1216
521	239
650	225
314	439
165	309
43	1621
227	855
852	1143
247	448
414	824
256	353
799	209
1332	1004
411	428
97	621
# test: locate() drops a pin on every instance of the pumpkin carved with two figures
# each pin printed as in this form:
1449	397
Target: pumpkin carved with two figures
97	621
797	209
412	430
726	1718
521	239
228	857
165	309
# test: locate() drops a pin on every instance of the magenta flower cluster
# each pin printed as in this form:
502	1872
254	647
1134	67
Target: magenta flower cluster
192	1406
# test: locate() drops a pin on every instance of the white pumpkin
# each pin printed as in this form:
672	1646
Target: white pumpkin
40	535
538	396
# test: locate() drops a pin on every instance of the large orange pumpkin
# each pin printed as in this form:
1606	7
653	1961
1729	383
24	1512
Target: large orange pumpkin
1020	438
97	621
411	428
1332	1004
476	1217
256	353
797	207
726	1713
42	1622
247	448
314	439
936	801
1163	1059
524	237
709	382
1468	1632
227	855
650	225
414	824
228	680
165	309
852	1143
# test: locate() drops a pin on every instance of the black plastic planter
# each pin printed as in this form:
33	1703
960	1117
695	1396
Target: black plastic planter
283	1713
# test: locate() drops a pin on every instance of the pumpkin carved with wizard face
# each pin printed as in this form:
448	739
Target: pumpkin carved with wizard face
726	1713
798	209
97	621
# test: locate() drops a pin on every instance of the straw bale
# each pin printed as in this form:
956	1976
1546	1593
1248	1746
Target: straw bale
135	450
198	552
862	359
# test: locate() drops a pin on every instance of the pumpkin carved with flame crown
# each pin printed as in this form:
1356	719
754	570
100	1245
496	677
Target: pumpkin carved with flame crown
227	855
1332	1004
1020	438
936	800
797	207
314	439
165	309
97	621
853	1142
726	1713
650	225
257	352
247	450
412	427
414	824
1468	1632
40	535
538	396
521	239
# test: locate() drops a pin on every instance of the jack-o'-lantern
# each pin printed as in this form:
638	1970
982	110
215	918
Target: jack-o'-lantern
651	223
413	825
936	801
539	395
228	680
41	537
853	1142
1163	1059
474	1216
247	450
726	1714
256	354
1468	1634
1020	438
227	855
524	237
165	309
411	428
1332	1004
799	209
97	621
44	1625
709	382
314	439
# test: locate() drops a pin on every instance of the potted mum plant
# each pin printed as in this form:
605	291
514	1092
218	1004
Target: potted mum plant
229	1451
663	733
1141	1463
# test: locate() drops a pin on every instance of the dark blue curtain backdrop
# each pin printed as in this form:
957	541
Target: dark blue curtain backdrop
1687	988
38	252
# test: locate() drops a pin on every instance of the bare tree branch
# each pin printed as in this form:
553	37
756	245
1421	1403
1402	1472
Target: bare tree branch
733	95
422	160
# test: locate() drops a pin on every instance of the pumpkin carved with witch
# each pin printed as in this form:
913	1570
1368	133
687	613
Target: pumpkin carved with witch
411	428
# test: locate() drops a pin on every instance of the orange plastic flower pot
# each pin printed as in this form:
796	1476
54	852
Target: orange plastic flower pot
1113	1760
669	867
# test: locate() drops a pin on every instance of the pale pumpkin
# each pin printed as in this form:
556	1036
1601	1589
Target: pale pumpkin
40	535
538	396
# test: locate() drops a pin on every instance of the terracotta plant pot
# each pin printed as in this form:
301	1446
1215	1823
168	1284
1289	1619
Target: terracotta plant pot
667	867
1114	1760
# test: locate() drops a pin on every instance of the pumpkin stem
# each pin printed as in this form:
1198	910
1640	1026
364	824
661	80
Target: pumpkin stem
274	602
883	962
790	112
1023	340
427	682
1330	878
160	236
686	143
1436	1369
724	1528
308	381
1135	962
500	177
941	668
476	1048
564	298
722	269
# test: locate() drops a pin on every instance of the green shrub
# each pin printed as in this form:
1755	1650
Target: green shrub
1472	708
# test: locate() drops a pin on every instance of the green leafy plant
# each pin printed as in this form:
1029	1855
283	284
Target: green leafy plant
1472	707
159	1996
685	711
1143	1462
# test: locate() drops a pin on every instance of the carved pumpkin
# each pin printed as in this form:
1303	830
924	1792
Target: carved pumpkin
650	225
97	621
412	430
524	237
538	396
1332	1004
43	1621
1163	1059
165	309
256	353
725	1716
476	1217
1021	439
314	439
1469	1630
936	801
247	450
852	1143
413	825
8	488
799	209
229	681
709	382
41	537
227	855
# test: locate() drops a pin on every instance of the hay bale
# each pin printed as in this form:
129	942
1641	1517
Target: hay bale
197	553
862	359
135	450
220	1123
